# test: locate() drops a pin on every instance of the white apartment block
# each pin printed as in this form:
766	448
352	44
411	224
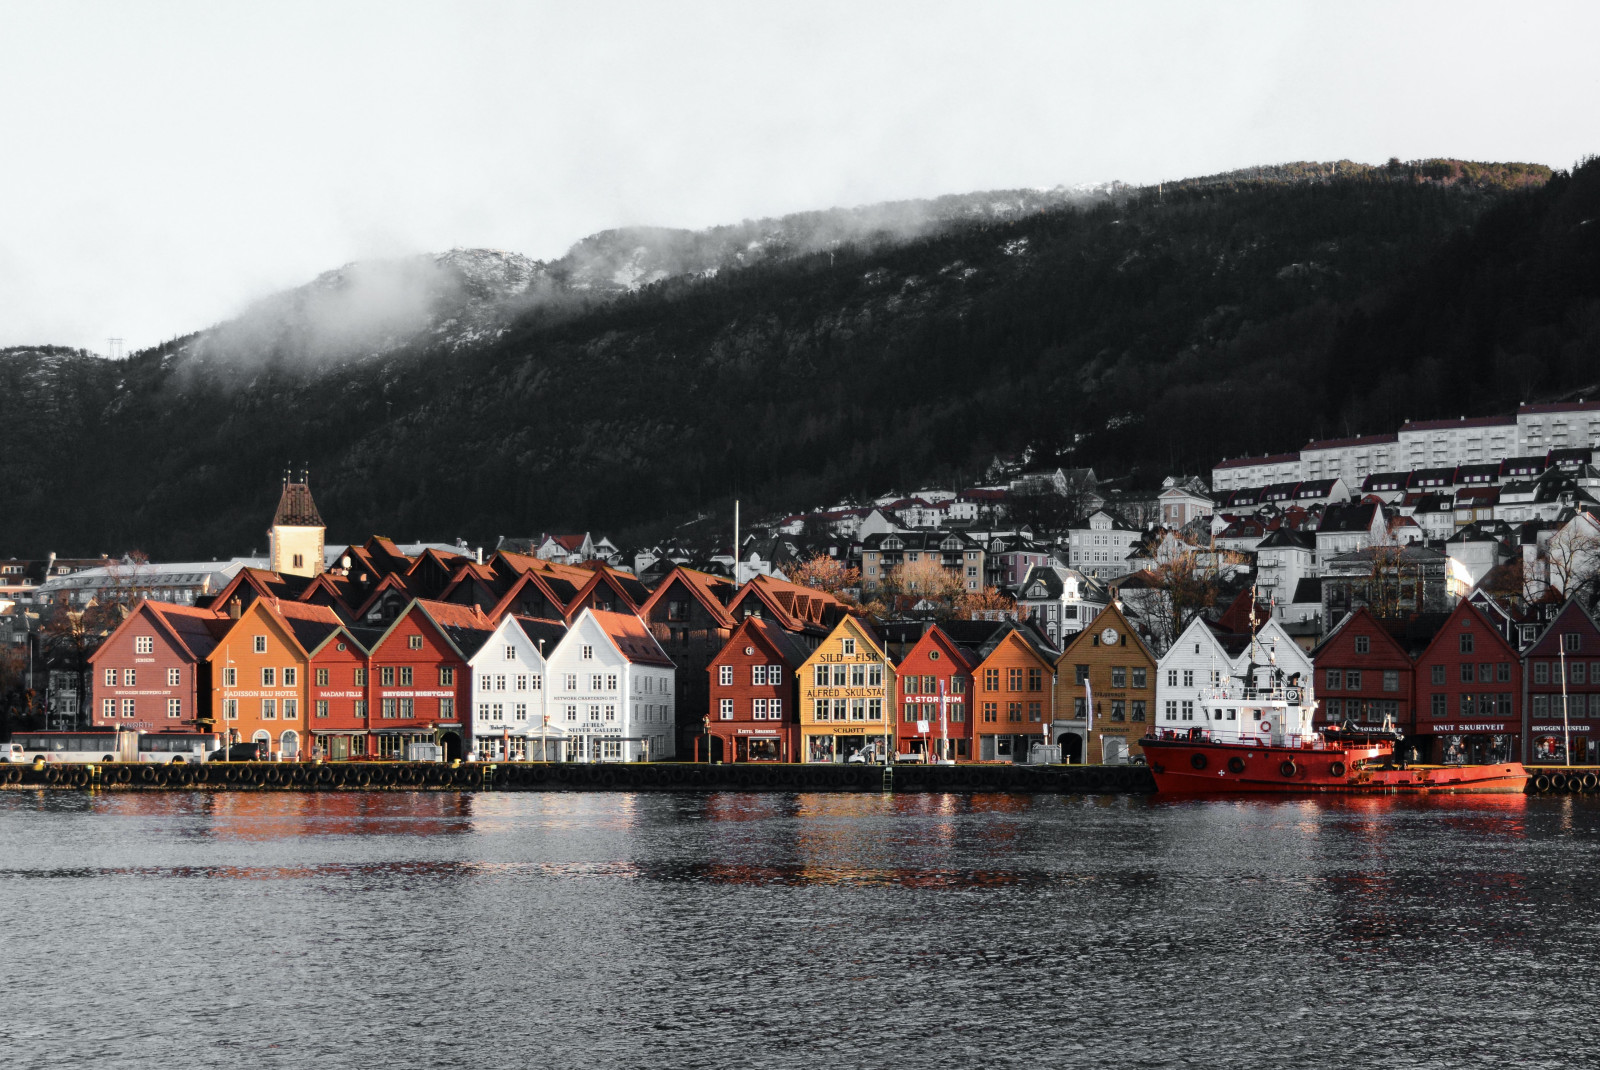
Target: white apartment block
1350	459
1532	432
1449	443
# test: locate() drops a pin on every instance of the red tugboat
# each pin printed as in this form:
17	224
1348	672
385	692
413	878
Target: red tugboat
1276	750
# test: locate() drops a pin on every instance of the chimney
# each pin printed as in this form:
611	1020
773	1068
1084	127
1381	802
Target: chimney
234	609
480	555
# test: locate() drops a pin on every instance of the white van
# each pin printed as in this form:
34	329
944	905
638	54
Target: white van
12	752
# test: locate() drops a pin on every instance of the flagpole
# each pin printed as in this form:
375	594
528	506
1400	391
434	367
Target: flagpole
944	723
1566	729
1088	721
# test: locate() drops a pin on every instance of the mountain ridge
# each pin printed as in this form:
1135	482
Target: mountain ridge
1112	332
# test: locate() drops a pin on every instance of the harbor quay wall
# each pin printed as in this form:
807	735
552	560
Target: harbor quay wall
574	776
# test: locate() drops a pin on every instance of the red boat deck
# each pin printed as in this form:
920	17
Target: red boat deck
1198	767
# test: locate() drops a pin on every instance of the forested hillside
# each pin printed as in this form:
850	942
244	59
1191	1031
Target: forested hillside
1140	331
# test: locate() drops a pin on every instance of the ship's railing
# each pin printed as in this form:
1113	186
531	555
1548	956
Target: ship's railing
1289	696
1299	741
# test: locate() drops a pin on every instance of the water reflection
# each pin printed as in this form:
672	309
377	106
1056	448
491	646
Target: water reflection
615	930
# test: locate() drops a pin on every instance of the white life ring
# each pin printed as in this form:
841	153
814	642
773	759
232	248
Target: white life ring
1266	726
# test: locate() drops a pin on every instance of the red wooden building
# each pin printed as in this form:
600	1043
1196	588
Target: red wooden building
1365	670
935	697
151	674
338	678
755	694
1563	673
1468	693
419	686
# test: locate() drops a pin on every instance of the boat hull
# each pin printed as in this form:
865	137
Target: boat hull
1183	767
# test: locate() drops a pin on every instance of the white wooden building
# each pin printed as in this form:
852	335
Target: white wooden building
611	690
509	685
1207	671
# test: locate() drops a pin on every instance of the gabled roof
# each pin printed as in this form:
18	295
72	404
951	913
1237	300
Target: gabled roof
192	631
1468	608
791	605
332	590
465	628
311	625
963	655
780	641
609	578
536	581
1010	631
1109	615
394	581
1571	611
384	555
544	634
705	588
252	583
1352	517
1284	536
633	640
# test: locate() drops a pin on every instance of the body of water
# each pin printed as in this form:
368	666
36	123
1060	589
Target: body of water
723	930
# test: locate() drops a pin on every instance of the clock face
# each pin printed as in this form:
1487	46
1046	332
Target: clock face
1109	637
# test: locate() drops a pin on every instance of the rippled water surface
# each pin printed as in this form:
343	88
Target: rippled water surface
796	930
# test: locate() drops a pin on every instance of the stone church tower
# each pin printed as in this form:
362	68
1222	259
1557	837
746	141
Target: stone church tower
294	543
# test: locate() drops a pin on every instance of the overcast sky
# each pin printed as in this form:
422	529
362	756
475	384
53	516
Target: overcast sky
163	164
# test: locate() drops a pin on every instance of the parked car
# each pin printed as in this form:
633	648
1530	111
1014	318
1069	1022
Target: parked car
255	751
12	752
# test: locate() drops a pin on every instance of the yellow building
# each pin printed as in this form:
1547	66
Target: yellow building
846	697
1109	664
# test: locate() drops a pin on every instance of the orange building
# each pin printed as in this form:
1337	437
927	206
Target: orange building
1013	696
259	672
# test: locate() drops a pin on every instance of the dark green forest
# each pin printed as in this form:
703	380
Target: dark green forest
1149	334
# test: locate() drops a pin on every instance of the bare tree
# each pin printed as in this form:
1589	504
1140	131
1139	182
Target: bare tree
925	580
987	600
825	573
1185	582
1572	557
